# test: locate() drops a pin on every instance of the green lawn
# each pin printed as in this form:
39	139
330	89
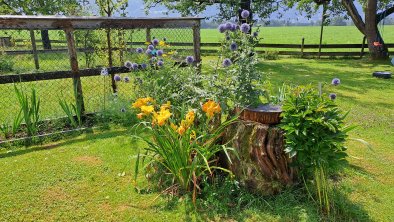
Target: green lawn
80	179
293	35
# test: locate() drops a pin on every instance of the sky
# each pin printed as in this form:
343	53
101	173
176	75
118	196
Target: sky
136	9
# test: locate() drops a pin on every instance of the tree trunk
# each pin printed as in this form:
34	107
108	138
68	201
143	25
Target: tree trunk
378	51
369	27
262	167
46	42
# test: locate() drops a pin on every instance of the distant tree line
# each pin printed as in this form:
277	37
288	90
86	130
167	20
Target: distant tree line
335	21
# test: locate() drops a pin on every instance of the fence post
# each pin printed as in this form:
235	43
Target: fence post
362	47
302	47
34	46
72	51
109	46
148	36
197	42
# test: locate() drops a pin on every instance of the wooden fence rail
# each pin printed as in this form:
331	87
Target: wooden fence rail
207	48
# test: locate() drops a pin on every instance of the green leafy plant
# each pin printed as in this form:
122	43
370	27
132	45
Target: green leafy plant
271	55
73	112
30	109
315	134
185	146
5	129
239	64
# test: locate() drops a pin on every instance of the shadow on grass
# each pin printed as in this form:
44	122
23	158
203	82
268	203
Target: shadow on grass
288	206
293	204
68	141
352	80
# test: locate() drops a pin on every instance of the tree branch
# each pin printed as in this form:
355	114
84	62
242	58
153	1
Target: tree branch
380	16
9	7
353	13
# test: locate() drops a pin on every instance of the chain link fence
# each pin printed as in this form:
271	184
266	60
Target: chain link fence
36	53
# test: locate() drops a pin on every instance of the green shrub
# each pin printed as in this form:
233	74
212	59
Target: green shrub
315	134
271	55
6	64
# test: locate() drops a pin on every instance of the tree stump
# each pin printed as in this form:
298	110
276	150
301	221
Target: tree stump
265	114
262	166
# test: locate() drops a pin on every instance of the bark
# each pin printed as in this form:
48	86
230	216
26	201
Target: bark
262	166
46	42
369	27
373	34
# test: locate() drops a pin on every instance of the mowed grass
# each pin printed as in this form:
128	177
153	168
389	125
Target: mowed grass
294	34
82	178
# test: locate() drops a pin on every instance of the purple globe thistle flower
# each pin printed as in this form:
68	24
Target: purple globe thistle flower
233	27
128	64
228	38
189	59
104	72
336	81
245	28
227	62
134	66
228	25
139	50
148	52
144	66
245	14
332	96
255	34
160	63
126	79
117	78
160	52
233	46
123	110
155	42
222	28
151	47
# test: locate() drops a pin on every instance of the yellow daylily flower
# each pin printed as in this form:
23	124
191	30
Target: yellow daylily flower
147	109
210	108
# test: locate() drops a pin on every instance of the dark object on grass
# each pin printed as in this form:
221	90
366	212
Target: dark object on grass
382	74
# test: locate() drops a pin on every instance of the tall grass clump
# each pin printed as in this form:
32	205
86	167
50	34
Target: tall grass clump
30	109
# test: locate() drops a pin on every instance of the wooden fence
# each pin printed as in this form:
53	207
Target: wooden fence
208	48
68	26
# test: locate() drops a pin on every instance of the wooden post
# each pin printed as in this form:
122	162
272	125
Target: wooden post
362	47
323	18
197	43
110	64
72	51
34	46
148	35
302	47
121	46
